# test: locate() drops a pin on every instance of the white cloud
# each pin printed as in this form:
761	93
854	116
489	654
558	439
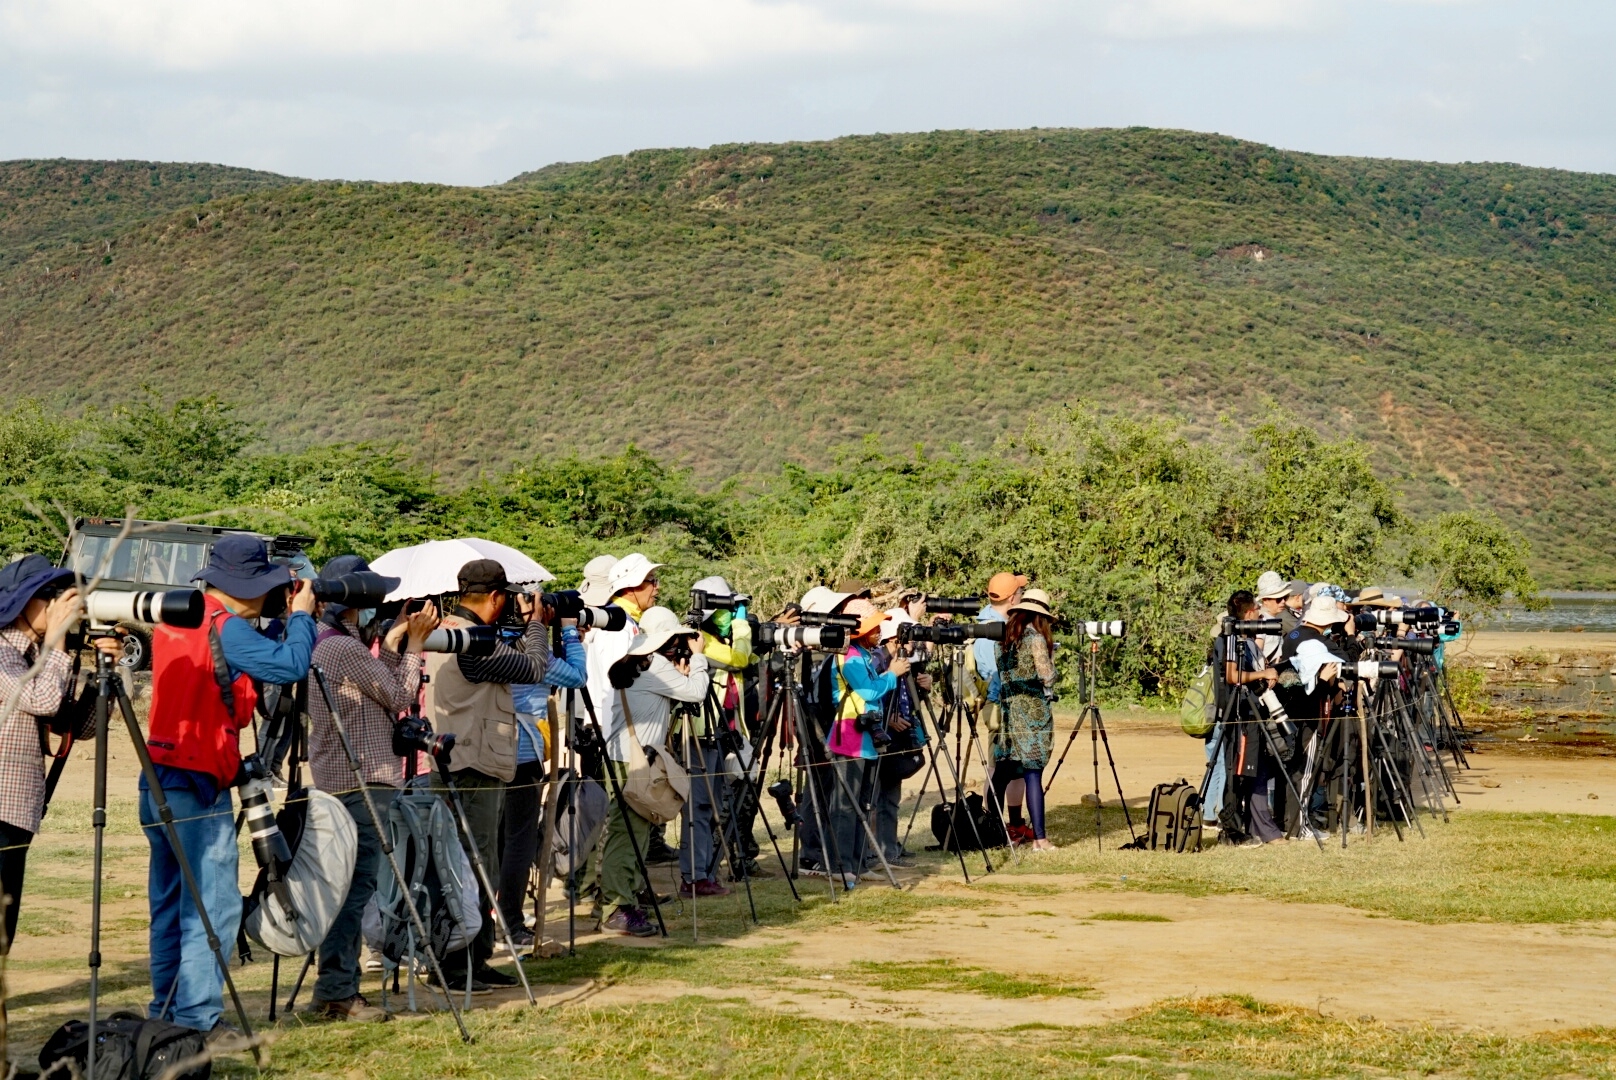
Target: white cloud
1186	18
597	37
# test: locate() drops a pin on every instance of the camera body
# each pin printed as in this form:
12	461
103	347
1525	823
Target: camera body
414	733
780	791
701	600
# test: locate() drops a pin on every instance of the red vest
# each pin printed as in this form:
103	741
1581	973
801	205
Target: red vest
189	727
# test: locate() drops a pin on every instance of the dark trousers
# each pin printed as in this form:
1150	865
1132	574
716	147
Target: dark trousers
482	796
524	802
339	952
13	858
888	801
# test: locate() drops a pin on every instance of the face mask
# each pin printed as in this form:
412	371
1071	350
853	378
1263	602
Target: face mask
722	620
365	615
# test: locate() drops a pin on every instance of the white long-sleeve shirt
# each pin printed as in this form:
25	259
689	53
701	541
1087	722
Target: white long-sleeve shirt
651	700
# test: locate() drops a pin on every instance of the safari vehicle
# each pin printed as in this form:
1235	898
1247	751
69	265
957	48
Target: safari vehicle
156	555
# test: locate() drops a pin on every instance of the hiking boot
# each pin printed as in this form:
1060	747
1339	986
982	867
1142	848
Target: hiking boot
645	898
226	1038
703	888
632	922
355	1008
495	978
658	853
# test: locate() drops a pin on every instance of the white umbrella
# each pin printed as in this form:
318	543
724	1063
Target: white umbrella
434	567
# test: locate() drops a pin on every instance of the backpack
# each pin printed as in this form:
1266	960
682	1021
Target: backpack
1173	822
581	809
127	1047
325	845
952	823
1198	712
427	846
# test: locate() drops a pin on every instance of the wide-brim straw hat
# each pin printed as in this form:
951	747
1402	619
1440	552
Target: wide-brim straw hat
1376	597
1035	602
657	625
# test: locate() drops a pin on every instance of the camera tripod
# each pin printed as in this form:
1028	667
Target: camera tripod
1088	677
623	807
956	717
698	760
109	688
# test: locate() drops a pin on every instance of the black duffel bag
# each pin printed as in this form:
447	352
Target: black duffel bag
127	1047
952	824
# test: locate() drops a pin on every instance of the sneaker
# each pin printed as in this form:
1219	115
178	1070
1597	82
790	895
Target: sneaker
457	983
1021	834
809	868
711	887
632	922
850	882
521	937
873	873
495	978
355	1008
373	961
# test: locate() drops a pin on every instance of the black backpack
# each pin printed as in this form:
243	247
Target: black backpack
952	824
127	1047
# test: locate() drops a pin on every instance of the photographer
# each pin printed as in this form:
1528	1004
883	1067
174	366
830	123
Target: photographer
1004	592
664	665
1273	599
727	645
203	695
523	801
469	697
38	605
1026	678
369	692
903	756
861	699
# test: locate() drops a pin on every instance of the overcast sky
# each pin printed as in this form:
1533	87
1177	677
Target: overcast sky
475	91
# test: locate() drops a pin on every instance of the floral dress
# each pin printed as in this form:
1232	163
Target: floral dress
1028	727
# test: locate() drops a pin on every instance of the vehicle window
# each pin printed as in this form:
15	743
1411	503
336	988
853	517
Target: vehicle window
89	551
171	562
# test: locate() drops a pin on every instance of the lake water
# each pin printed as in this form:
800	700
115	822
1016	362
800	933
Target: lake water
1591	611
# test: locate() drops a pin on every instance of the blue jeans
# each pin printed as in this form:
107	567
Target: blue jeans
339	952
696	861
181	962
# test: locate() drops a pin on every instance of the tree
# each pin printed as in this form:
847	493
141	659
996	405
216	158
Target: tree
1471	564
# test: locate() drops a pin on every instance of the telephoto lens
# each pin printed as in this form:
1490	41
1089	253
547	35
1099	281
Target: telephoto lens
1370	669
360	589
176	607
780	636
1422	646
701	600
1253	627
467	640
783	797
414	733
1103	628
953	605
820	618
611	617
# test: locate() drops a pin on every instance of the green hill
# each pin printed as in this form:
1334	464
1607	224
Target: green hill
740	306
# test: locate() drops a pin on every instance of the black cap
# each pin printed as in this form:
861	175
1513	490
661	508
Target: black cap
483	576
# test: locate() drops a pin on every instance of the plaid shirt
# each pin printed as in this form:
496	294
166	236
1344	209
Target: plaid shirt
22	760
370	692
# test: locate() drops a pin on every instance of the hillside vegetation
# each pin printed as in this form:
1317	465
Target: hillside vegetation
742	306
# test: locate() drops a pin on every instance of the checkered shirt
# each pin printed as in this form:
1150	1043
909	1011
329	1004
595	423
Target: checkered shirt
22	762
369	691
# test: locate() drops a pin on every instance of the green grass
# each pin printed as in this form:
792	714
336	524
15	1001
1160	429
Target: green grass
949	977
1127	916
749	305
1480	867
1200	1038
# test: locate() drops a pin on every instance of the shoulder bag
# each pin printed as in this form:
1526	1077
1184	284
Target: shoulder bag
657	785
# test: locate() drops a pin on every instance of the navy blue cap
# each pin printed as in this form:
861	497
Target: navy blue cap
239	566
20	580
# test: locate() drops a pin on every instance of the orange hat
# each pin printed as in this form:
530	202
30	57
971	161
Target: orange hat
1003	585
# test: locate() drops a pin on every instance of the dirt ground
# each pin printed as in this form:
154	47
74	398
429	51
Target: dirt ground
1345	963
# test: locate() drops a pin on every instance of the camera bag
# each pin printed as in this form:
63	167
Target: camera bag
1174	818
325	846
657	785
127	1047
952	824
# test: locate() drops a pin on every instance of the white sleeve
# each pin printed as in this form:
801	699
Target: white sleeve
665	680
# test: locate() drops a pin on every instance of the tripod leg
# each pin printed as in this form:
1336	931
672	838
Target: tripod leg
308	962
166	818
988	788
1273	750
864	819
417	924
623	809
827	841
98	822
1066	750
483	881
959	790
1099	724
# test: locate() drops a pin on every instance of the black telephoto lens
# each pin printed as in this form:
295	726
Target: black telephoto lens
783	797
360	589
953	605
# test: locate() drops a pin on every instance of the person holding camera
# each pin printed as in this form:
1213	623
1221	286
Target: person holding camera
727	645
904	754
862	691
203	695
1004	592
666	664
524	803
369	692
1026	681
469	697
38	607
